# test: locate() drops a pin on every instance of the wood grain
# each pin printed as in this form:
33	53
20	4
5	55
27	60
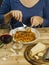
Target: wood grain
20	60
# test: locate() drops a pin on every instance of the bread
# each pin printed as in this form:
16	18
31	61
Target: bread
37	48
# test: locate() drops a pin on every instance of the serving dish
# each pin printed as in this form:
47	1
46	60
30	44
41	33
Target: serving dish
36	32
31	59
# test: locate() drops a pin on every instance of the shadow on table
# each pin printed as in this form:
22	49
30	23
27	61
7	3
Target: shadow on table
4	26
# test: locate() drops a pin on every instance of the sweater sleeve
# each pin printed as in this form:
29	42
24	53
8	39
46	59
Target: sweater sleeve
4	8
46	13
46	23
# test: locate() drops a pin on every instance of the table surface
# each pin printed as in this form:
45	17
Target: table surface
19	59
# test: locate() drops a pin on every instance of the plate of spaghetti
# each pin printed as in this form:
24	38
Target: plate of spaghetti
25	36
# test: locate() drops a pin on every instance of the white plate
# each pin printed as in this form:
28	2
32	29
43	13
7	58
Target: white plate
37	34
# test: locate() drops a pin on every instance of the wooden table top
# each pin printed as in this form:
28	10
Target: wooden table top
19	59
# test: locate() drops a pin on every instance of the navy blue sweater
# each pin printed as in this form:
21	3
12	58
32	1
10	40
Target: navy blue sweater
40	9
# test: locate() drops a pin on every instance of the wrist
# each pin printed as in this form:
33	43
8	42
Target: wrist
7	17
41	21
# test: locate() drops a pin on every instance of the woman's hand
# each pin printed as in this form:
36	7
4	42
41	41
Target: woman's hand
36	20
17	15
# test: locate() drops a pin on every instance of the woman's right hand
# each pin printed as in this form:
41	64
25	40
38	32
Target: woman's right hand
17	15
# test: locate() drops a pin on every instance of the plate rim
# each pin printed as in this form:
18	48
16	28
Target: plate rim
26	55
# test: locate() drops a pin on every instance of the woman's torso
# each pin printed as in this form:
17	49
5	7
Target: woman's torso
36	10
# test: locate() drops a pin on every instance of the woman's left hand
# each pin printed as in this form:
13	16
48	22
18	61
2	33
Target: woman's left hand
36	20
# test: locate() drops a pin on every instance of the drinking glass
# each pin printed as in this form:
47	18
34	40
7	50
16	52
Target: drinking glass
17	46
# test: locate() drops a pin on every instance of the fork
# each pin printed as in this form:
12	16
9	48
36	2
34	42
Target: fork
25	26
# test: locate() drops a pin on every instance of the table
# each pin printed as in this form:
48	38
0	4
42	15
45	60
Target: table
12	60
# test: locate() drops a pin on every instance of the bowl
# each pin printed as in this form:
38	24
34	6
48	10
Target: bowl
36	32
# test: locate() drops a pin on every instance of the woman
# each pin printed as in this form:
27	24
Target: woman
30	12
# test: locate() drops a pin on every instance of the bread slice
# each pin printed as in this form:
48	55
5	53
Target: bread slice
37	48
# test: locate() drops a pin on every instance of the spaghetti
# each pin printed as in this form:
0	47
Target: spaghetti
24	36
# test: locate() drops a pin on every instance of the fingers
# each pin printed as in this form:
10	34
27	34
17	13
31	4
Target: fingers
31	20
17	15
20	17
13	14
36	20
